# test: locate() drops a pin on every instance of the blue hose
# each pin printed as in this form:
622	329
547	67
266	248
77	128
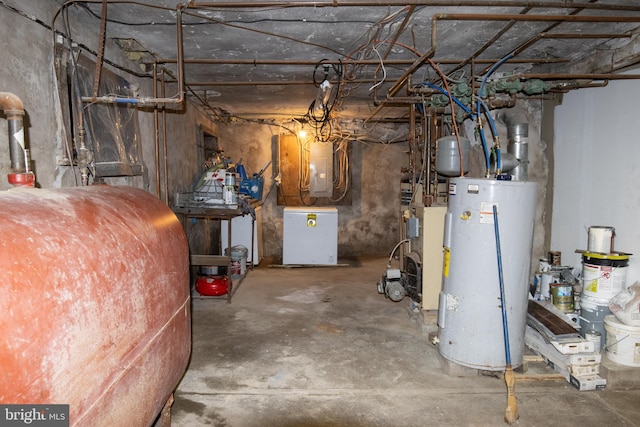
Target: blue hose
486	76
505	326
484	80
494	130
485	147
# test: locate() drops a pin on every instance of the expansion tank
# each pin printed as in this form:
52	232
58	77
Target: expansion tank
470	315
94	307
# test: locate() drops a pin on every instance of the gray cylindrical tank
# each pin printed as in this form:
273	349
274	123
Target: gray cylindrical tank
448	155
470	315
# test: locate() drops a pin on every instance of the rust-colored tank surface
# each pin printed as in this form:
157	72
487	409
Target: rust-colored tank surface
94	306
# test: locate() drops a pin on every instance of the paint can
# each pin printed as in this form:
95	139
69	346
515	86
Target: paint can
592	315
600	239
543	265
562	296
604	276
238	261
546	279
555	257
623	342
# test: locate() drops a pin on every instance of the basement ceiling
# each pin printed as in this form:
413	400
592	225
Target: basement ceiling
266	59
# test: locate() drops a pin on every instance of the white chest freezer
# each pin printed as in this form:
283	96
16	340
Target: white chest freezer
310	236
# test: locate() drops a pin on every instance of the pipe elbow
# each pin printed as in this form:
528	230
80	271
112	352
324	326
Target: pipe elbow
516	121
11	105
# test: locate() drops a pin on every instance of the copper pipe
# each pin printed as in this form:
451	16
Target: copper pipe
489	43
584	36
11	105
535	39
101	41
386	3
533	18
255	62
178	99
164	145
396	36
551	76
395	88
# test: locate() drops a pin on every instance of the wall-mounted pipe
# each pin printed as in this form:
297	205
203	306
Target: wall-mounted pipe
20	174
180	96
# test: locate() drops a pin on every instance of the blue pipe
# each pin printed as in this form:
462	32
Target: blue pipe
484	81
127	101
485	147
486	76
505	326
494	130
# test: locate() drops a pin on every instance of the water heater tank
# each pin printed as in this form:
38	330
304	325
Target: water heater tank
470	316
448	155
95	306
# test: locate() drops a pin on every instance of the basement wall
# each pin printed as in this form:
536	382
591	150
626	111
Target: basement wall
597	158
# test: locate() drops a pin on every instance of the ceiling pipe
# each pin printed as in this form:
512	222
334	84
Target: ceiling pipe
180	96
255	62
20	174
387	3
395	88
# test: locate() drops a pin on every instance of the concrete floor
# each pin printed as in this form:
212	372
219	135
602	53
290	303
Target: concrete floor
307	347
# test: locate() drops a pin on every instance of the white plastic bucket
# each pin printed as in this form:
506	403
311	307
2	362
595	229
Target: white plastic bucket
600	239
623	342
592	315
238	261
603	276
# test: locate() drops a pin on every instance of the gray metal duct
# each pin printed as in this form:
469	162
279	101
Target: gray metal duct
515	119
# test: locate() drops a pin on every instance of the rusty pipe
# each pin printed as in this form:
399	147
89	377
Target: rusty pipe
20	175
255	62
178	99
387	3
533	18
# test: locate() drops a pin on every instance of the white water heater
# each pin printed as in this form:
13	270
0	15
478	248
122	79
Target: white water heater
470	316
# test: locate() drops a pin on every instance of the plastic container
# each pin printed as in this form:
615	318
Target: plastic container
600	239
252	187
623	342
592	315
604	276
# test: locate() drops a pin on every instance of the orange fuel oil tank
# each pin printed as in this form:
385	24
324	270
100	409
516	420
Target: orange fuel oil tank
94	304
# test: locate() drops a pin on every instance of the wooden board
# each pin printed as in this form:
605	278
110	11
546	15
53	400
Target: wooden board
556	325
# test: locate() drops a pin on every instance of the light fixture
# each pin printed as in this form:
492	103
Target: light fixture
322	97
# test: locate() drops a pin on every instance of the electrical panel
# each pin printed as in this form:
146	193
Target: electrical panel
321	169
